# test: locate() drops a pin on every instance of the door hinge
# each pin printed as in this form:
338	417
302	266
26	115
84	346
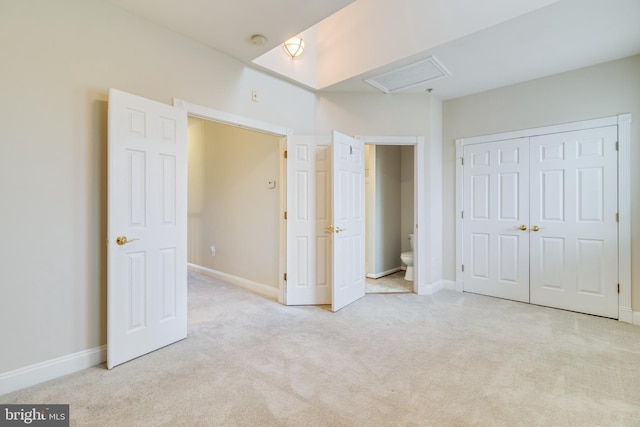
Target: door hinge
617	145
463	268
618	287
285	214
462	161
461	214
285	154
285	276
617	217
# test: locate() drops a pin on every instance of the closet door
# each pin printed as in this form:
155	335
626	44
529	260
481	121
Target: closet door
496	218
573	229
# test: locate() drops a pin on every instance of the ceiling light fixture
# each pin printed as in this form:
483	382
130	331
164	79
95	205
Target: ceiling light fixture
294	47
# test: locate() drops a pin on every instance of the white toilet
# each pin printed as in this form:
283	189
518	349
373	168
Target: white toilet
407	259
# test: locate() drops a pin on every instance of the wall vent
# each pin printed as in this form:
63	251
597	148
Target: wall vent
409	76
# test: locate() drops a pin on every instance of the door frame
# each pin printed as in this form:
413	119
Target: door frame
623	121
421	248
207	113
419	206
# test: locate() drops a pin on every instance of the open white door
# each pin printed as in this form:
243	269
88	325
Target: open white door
325	220
147	227
308	219
347	167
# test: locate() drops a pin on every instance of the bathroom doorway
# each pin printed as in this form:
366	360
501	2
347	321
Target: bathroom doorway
390	216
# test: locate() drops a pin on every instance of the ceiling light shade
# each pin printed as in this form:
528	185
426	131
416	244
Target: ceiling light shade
294	47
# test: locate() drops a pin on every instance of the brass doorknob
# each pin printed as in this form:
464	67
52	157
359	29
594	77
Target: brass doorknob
338	229
523	227
535	228
122	240
329	229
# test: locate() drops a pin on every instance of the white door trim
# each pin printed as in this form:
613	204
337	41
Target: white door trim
623	121
420	243
256	125
230	119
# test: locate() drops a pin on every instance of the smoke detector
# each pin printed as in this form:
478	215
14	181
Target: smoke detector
258	39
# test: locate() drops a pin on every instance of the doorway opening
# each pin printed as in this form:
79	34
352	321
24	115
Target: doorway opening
389	212
233	215
285	136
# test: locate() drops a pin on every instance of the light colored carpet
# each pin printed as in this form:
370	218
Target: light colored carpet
388	284
450	359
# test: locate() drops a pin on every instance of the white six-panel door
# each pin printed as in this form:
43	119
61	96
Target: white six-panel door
574	234
348	282
325	220
496	218
540	220
308	220
147	226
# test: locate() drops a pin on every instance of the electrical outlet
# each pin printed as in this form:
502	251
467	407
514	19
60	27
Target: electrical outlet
254	95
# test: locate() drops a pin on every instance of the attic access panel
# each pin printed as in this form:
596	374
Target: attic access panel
409	76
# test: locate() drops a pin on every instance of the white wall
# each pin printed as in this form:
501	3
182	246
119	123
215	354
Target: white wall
58	61
388	208
230	205
373	114
600	91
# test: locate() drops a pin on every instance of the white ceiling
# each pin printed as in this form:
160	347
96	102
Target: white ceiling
227	25
565	35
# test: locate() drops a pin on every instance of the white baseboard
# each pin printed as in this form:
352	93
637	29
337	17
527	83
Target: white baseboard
385	273
625	316
429	289
628	316
449	285
51	369
259	288
432	288
636	318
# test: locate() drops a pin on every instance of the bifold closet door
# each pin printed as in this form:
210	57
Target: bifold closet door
496	218
573	230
